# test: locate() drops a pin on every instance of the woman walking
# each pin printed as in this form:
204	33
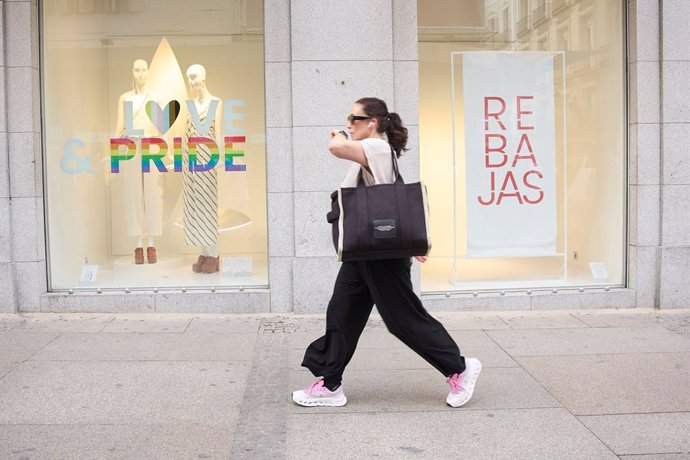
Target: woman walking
386	283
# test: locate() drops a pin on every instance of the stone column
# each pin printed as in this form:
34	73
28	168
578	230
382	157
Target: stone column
22	257
674	288
279	153
644	151
341	51
8	301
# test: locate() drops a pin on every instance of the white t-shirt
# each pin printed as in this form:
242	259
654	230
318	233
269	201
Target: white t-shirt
378	153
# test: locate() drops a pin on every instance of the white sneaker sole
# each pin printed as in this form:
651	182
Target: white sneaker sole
318	402
472	380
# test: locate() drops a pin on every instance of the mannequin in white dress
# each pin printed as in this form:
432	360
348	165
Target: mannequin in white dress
143	192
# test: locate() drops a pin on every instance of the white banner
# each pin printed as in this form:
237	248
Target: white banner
510	153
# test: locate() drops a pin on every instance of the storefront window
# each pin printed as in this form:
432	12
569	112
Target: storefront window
522	143
153	117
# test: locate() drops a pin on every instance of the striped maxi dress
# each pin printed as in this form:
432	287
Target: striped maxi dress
200	191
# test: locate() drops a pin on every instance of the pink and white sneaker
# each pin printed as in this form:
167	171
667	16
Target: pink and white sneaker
317	394
462	385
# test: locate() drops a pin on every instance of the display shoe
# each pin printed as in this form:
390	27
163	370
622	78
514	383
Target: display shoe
196	266
211	265
139	256
151	255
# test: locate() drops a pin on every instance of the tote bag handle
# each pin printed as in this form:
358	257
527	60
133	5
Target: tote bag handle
396	171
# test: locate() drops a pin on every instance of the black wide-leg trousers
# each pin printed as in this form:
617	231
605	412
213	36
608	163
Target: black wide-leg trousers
386	283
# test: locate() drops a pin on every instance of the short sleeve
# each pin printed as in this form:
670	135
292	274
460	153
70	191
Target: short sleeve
378	153
379	159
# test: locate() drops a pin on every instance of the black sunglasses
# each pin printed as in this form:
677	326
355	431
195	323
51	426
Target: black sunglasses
352	118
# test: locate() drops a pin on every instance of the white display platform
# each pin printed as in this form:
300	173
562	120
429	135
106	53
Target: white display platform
176	272
124	264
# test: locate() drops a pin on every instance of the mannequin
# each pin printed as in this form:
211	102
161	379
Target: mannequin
200	189
143	192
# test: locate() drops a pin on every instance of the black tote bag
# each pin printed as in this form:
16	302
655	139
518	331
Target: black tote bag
385	221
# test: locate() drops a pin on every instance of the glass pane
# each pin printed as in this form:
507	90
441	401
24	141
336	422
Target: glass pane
522	128
154	139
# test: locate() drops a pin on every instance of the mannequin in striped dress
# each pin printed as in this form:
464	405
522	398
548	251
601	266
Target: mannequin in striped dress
200	189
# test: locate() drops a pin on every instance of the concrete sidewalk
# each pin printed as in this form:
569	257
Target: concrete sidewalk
585	384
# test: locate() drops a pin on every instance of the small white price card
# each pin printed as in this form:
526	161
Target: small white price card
599	271
88	274
237	267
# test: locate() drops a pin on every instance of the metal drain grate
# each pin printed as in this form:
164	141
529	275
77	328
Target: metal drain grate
278	325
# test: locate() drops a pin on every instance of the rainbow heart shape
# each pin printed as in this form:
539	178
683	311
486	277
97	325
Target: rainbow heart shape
163	118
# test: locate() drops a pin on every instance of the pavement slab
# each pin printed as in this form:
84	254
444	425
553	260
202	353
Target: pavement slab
69	392
148	347
466	321
7	366
677	321
615	384
589	341
262	427
674	320
541	320
476	434
26	341
637	434
619	318
678	456
9	321
115	441
56	322
224	324
146	323
17	346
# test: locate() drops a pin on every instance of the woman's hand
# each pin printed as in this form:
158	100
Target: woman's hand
421	259
346	149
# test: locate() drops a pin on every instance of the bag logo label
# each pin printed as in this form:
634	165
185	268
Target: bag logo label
385	228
